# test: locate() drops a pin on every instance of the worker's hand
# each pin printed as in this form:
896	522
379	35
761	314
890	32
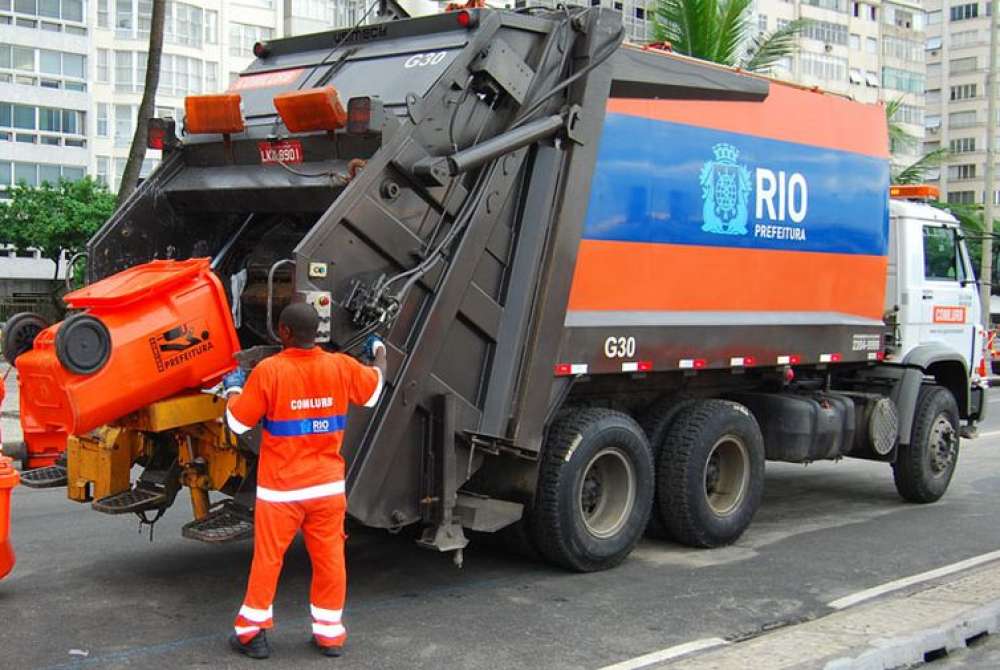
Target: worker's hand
373	345
233	382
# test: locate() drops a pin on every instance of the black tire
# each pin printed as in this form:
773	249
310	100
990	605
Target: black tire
19	334
710	442
598	460
83	344
656	423
923	468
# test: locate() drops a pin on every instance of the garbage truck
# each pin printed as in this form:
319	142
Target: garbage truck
613	283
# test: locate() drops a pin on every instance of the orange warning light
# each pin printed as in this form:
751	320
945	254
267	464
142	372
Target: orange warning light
214	113
914	192
315	109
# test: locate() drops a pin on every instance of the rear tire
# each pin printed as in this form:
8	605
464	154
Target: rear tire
923	468
19	334
710	478
595	490
656	423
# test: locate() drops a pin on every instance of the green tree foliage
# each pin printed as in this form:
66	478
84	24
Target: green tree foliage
901	141
55	218
720	31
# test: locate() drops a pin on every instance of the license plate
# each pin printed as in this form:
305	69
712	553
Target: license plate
286	151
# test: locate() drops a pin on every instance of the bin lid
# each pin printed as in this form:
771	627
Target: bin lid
141	281
8	475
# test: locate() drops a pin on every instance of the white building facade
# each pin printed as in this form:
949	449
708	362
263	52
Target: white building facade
72	72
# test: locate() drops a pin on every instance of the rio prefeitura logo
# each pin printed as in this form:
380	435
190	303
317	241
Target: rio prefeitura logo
725	190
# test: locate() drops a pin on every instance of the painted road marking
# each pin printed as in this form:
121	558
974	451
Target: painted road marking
888	587
667	654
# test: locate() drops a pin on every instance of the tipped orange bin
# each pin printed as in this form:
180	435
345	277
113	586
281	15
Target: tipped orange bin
145	334
8	480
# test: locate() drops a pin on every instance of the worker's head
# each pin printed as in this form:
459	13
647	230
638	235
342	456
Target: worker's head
297	325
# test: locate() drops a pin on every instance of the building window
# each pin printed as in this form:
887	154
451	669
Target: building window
933	97
872	13
211	27
836	5
956	65
903	49
103	66
102	119
962	119
124	74
934	18
242	37
103	163
963	91
963	12
826	32
871	45
822	66
964	171
902	80
57	127
124	125
962	197
962	145
934	70
911	114
103	15
962	38
854	42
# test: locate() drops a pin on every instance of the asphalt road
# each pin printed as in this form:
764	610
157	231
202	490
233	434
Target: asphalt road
89	591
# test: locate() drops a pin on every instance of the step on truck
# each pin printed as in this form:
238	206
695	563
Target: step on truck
613	283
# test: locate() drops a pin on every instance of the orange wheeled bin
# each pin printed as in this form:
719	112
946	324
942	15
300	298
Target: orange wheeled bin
142	335
8	480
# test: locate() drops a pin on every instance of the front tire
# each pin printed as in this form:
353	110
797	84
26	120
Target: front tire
710	478
595	490
923	468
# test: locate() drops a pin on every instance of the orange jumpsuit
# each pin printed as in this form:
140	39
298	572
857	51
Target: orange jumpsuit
302	395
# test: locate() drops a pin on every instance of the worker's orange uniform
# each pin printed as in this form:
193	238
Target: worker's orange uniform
302	396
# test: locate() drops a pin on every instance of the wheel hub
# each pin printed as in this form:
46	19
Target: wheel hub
607	493
727	475
942	445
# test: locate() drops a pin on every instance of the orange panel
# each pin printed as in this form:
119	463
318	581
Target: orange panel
789	114
633	276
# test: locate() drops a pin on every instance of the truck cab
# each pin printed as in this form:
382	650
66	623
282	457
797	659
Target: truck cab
932	296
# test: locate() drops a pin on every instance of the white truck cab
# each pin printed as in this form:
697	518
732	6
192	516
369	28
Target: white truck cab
932	297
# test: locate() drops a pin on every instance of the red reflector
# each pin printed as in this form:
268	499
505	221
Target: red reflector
789	375
794	359
563	369
155	137
700	363
464	18
359	115
880	356
835	358
645	366
749	360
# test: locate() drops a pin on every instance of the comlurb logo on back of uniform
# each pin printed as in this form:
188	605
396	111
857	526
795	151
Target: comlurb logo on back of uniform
780	198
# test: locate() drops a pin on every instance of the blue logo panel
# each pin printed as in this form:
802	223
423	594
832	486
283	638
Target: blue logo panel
671	183
299	427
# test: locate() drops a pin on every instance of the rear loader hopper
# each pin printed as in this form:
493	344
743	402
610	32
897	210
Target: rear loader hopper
586	259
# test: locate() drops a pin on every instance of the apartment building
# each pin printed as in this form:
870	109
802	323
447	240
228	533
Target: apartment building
72	72
958	55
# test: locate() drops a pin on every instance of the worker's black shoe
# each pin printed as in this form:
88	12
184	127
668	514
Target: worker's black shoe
257	647
334	651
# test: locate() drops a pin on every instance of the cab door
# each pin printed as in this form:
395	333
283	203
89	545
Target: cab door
948	295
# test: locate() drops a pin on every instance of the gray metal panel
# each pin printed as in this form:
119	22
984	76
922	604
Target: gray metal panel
652	74
582	319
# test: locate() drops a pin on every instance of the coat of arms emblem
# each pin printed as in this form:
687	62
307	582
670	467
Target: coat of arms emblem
725	190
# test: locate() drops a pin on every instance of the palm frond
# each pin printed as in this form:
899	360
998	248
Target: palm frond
767	49
916	172
691	26
899	138
733	26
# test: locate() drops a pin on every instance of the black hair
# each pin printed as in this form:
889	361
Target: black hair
302	320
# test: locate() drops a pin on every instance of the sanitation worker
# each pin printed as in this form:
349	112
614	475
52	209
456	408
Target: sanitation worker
302	396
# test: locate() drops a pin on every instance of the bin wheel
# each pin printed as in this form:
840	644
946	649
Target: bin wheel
83	344
20	332
710	478
924	467
595	490
656	421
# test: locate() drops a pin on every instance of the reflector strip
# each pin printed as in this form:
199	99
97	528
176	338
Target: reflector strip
565	369
630	367
692	363
784	360
743	361
873	355
825	358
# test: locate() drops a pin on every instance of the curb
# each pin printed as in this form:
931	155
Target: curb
925	645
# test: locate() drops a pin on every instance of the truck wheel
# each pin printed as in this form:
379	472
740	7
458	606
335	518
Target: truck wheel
595	490
710	477
923	468
656	422
19	334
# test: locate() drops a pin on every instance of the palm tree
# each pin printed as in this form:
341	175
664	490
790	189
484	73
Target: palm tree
899	141
720	31
138	151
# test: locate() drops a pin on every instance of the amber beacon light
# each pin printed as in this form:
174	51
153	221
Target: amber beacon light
315	109
215	113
